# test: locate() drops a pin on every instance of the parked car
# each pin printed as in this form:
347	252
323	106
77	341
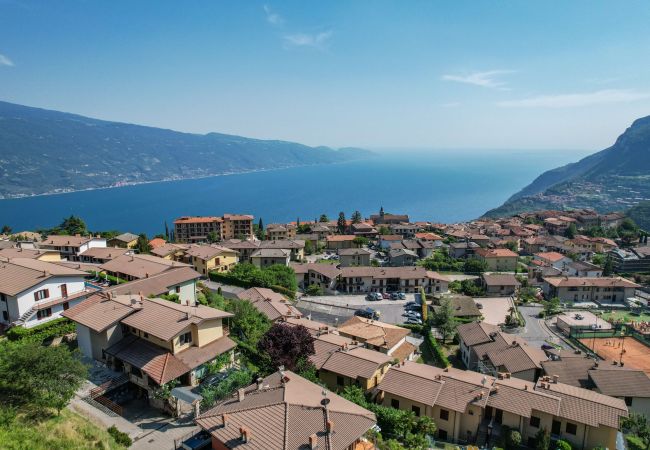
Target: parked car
479	305
368	313
413	308
394	296
385	296
402	296
413	321
371	297
407	304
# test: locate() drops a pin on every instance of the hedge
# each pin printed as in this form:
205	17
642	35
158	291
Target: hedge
226	278
43	332
435	348
120	437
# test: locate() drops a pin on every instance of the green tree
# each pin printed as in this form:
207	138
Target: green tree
73	225
323	218
425	307
37	378
286	345
143	246
6	229
383	230
360	241
166	232
512	245
341	223
314	290
542	439
260	232
551	306
571	231
638	425
562	445
444	320
212	237
608	267
309	247
628	231
513	439
474	266
248	323
356	217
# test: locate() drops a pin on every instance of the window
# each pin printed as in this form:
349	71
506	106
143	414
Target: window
178	289
64	290
442	435
66	306
5	316
40	295
43	313
394	403
534	421
146	335
185	338
444	414
628	401
571	428
416	410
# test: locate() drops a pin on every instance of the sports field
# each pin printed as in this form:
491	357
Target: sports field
635	354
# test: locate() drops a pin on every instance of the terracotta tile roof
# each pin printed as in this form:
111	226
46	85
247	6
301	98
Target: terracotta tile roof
355	362
315	328
327	270
17	252
194	356
495	253
323	348
104	252
475	333
271	253
207	252
584	406
99	311
157	284
571	371
404	351
197	219
404	273
140	266
165	319
66	241
284	415
352	251
550	256
516	358
167	249
157	242
340	238
416	382
621	382
270	303
125	237
520	397
500	280
156	362
372	332
20	274
590	281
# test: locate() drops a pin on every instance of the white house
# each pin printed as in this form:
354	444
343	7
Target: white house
33	292
71	247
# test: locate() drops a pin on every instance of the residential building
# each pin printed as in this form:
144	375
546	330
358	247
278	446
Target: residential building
554	259
279	231
273	305
11	252
133	267
363	229
285	410
636	259
153	341
33	292
570	322
500	284
246	248
124	240
189	229
464	249
180	281
387	219
172	252
324	276
585	289
101	255
391	279
462	307
386	240
354	257
402	257
583	269
406	230
266	257
211	258
339	241
157	242
70	247
468	406
498	259
381	337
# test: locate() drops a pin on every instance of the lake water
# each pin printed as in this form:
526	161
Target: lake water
441	186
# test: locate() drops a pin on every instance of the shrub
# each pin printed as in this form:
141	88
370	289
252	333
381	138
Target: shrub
435	348
562	445
42	332
120	437
513	439
314	289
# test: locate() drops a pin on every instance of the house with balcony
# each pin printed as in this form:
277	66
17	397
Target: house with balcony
124	240
131	267
354	257
602	290
379	336
70	247
180	281
151	340
497	259
33	292
391	279
266	257
211	258
324	276
273	305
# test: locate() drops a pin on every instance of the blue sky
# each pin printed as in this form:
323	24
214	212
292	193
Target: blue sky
376	74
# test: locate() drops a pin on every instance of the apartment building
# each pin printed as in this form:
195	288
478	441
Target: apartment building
33	292
273	305
354	257
33	253
180	281
266	257
379	336
124	240
134	267
468	406
587	289
193	229
153	341
275	231
498	259
324	276
209	258
391	279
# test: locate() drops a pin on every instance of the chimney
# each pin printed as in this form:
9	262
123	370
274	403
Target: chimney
244	434
525	387
260	385
313	442
241	393
330	426
556	378
224	420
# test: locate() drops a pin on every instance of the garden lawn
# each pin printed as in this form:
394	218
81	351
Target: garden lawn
63	432
626	316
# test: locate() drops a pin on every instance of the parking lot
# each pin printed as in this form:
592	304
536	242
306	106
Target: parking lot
494	309
336	309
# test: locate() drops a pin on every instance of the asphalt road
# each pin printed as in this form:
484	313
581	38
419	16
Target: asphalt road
536	330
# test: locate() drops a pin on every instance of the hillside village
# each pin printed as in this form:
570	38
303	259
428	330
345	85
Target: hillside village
531	331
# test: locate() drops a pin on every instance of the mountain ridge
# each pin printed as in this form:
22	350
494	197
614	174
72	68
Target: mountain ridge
44	151
615	178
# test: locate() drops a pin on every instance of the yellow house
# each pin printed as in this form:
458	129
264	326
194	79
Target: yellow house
498	259
124	240
353	365
468	406
209	258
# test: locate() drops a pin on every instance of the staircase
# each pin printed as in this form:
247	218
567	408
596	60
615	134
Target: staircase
25	317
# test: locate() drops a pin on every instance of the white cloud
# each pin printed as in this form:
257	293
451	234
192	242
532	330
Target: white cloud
487	79
272	17
318	40
4	61
577	100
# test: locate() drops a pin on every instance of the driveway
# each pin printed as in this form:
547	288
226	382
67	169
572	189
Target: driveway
494	309
537	331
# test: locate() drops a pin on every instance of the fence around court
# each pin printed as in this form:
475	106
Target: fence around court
619	330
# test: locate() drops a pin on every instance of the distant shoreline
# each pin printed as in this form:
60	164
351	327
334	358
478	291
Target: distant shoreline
168	180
